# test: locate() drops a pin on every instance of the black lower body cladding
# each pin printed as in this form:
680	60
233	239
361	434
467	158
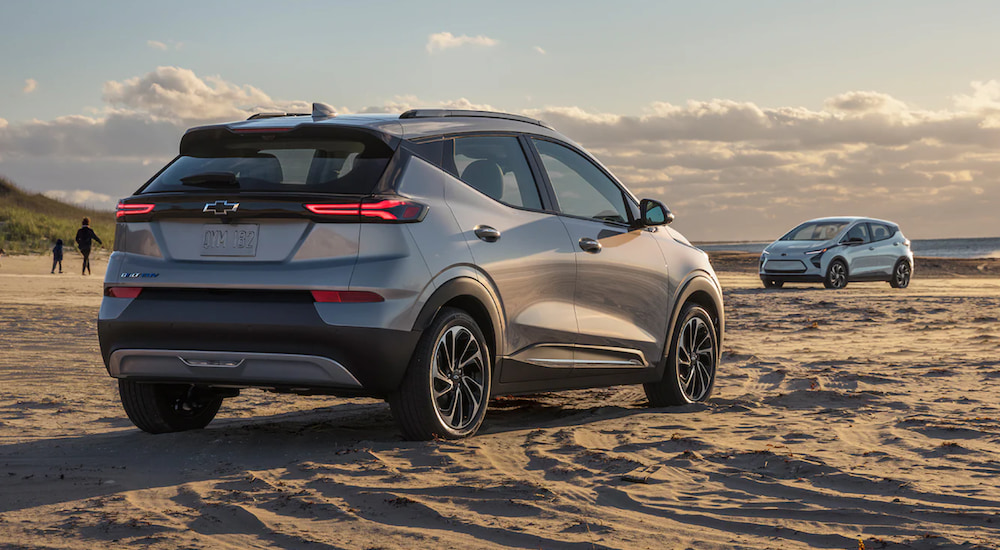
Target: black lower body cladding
272	323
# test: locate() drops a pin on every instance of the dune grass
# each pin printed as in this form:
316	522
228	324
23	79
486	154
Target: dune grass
31	222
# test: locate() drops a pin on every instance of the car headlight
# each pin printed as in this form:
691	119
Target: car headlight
814	252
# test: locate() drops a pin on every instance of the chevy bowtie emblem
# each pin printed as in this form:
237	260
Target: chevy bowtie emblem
221	208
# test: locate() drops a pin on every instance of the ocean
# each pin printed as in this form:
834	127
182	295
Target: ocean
987	247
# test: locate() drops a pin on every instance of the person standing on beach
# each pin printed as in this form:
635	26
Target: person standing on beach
84	236
57	255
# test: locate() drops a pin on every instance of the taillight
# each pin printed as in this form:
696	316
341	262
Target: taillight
123	291
128	209
346	296
349	209
377	210
393	210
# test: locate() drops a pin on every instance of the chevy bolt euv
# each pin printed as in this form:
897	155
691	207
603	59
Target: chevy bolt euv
433	259
834	251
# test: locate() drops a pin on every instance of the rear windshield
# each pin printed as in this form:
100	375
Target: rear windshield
349	162
814	231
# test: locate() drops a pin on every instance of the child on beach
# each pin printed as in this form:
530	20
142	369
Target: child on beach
57	255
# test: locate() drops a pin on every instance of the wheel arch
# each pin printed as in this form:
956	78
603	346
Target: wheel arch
471	296
698	288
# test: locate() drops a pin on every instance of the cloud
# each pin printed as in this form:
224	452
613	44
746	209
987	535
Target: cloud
445	40
539	50
82	197
30	85
860	102
164	46
729	169
179	94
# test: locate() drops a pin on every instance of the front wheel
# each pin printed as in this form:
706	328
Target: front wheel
836	275
447	384
163	408
689	375
901	275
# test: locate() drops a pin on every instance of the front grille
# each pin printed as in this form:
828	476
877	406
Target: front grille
784	266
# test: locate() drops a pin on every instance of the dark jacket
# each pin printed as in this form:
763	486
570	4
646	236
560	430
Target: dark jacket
84	236
57	251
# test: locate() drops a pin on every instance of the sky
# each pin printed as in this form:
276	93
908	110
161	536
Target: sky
745	118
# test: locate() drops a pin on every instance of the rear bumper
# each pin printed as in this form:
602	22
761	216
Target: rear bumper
268	343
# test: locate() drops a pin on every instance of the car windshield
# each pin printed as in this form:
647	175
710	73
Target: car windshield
814	231
332	164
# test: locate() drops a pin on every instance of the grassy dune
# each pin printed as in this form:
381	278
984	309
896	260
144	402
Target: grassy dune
31	222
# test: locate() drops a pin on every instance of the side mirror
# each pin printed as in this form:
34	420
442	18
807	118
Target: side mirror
653	212
853	241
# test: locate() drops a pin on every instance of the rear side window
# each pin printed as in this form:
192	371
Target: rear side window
880	232
497	167
345	162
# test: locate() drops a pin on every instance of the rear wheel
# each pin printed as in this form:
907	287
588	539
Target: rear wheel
836	275
771	283
689	375
447	385
163	408
901	275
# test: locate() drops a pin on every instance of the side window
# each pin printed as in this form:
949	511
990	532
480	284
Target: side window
880	232
581	188
497	167
859	231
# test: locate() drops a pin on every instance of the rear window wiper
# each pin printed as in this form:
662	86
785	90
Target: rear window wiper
212	179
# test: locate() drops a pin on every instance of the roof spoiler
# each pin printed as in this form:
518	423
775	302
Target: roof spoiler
438	113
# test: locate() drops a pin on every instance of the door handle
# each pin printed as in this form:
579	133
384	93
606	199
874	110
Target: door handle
487	233
590	245
871	248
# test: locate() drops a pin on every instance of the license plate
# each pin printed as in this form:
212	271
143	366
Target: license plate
229	239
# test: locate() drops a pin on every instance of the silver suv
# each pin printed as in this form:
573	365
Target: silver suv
433	259
834	251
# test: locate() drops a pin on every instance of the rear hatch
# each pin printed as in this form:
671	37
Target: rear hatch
255	207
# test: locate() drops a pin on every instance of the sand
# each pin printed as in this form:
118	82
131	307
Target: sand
867	414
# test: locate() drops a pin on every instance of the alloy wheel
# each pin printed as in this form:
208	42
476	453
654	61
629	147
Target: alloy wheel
458	377
838	275
695	359
902	274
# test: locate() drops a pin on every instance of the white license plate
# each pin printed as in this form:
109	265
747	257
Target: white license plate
229	239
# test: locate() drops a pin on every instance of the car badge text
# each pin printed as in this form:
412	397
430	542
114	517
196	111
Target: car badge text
221	208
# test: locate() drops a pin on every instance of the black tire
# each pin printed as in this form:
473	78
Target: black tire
901	274
684	382
164	408
771	283
836	275
439	393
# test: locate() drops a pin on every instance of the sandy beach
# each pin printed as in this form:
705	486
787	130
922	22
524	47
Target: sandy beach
867	415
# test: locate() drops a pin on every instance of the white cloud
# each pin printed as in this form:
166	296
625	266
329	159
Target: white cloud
766	168
445	40
30	85
180	94
539	50
164	46
82	197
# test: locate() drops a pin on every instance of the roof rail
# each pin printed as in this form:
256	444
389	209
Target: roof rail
258	116
436	113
